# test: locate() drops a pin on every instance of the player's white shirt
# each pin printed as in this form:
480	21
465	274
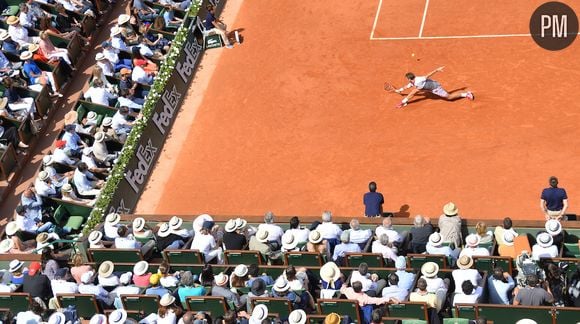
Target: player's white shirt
423	83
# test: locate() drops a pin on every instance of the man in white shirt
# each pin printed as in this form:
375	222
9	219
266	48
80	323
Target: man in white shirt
358	235
106	277
60	156
125	240
328	229
141	76
30	221
105	65
300	233
125	288
275	232
465	273
99	94
44	186
472	247
100	150
121	124
116	40
469	294
19	33
86	182
387	228
61	286
344	247
544	247
371	285
205	243
393	290
435	246
111	226
382	247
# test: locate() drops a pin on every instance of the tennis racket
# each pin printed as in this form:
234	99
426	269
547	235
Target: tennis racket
389	87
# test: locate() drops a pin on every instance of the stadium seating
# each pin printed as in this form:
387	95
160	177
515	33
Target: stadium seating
142	304
409	310
214	306
279	306
340	306
86	305
371	259
115	255
242	257
415	261
306	259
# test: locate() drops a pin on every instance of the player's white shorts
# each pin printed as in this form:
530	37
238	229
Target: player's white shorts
440	92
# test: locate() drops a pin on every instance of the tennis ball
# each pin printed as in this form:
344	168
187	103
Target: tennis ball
412	54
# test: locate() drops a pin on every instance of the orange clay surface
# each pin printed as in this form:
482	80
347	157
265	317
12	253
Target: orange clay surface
295	120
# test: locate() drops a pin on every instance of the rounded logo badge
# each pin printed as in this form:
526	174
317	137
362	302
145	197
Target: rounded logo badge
554	26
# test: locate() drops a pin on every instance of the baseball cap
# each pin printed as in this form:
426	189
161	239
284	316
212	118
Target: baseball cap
33	268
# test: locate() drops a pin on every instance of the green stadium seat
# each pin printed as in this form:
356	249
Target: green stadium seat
15	302
182	257
409	310
214	306
115	255
465	311
512	314
236	257
454	320
488	263
340	306
85	304
306	259
566	315
413	321
417	260
373	260
280	306
64	218
143	304
571	246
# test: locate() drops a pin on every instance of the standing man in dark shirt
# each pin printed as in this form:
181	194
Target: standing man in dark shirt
373	201
554	201
37	284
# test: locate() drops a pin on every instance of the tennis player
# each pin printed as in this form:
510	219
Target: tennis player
424	83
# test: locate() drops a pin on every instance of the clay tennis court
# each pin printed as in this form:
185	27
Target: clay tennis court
295	120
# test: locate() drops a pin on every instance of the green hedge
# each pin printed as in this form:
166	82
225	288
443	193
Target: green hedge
128	151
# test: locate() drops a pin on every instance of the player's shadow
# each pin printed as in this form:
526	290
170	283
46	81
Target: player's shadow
431	96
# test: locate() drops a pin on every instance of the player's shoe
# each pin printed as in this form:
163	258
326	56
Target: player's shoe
401	105
469	95
237	34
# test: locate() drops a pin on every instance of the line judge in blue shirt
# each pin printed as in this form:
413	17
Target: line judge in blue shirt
373	201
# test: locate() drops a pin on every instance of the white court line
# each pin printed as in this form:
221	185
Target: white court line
451	37
376	20
424	16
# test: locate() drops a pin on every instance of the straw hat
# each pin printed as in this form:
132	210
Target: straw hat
47	160
198	221
106	269
6	245
98	319
508	238
262	235
544	240
26	55
123	18
43	175
107	121
113	219
12	20
297	316
221	279
138	224
66	188
450	209
71	117
553	227
430	269
115	31
164	230
125	71
99	57
315	237
140	268
57	318
95	237
175	222
241	223
166	300
329	272
281	286
118	316
241	270
33	48
464	262
435	239
259	314
92	116
99	137
42	238
15	265
472	240
289	242
12	228
4	35
230	226
332	318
